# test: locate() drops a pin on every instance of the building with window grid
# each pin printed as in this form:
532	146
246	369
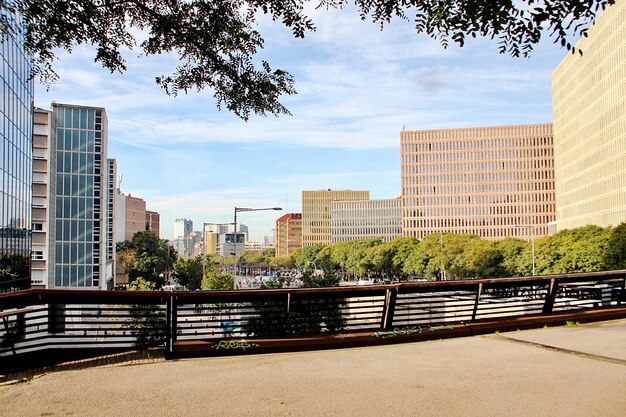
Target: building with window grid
353	220
78	197
16	148
493	182
316	213
288	234
589	102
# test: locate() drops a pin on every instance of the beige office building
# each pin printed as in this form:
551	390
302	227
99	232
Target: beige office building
589	101
493	182
353	220
316	206
288	234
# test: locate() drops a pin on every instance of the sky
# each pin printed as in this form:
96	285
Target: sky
358	88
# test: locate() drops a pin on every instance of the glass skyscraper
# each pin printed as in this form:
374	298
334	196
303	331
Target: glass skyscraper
78	204
16	128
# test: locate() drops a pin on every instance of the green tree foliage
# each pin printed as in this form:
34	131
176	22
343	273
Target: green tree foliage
147	321
516	257
615	253
305	316
152	260
304	257
217	41
216	279
188	272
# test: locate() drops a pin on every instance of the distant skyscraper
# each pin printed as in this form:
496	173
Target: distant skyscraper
16	145
493	182
288	234
353	220
78	197
182	235
589	101
316	213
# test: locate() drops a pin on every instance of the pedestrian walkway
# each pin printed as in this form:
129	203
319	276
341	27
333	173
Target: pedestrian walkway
577	370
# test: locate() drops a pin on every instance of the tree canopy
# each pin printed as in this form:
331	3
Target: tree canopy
146	256
216	40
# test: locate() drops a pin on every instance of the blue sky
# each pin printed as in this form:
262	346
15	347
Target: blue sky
357	87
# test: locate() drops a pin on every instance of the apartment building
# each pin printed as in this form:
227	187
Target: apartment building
288	234
589	102
493	182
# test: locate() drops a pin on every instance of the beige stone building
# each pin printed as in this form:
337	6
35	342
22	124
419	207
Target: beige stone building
316	213
490	181
589	101
353	220
288	234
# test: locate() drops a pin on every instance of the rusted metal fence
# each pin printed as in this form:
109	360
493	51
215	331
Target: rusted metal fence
94	321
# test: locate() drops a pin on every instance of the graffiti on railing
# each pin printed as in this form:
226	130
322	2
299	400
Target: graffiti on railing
234	344
405	331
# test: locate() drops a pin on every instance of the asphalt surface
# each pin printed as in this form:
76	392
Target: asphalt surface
567	371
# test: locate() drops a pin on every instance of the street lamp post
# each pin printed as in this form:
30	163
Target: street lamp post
239	210
532	241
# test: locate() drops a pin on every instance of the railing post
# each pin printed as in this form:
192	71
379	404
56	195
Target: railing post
389	308
478	294
551	296
56	318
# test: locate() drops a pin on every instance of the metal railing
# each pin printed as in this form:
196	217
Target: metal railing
34	320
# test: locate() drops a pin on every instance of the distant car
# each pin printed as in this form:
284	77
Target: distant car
365	282
515	299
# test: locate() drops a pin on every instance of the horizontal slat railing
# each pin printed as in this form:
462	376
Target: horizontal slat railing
40	320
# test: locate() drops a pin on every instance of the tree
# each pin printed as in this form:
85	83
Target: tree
217	280
513	253
153	258
615	254
216	40
188	272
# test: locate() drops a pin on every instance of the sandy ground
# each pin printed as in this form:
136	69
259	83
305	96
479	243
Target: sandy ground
539	373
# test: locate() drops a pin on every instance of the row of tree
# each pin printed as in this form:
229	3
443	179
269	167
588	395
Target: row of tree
464	256
457	256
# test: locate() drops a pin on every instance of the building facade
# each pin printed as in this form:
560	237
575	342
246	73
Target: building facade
41	180
78	198
494	182
135	217
353	220
182	236
316	213
153	222
16	149
288	234
589	102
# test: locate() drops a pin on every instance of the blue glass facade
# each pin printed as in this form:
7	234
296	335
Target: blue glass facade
16	133
78	190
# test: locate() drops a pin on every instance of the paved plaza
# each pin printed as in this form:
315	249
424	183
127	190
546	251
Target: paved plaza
567	371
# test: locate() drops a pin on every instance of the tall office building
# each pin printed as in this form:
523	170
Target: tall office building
353	220
16	149
316	213
182	236
589	102
288	234
41	181
78	197
110	236
153	222
493	182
